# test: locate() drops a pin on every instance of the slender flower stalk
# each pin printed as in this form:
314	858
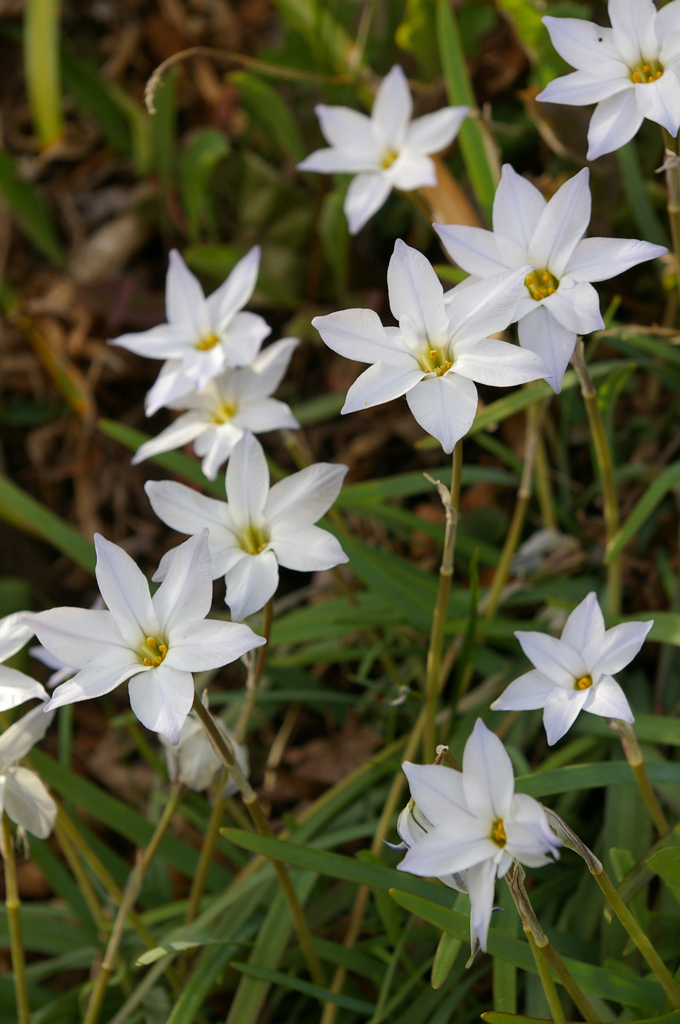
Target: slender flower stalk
13	904
450	500
605	466
83	880
671	165
549	988
207	849
255	670
631	749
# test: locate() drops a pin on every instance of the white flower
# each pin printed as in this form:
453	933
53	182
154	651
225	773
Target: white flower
60	671
227	406
479	824
203	335
438	350
630	70
575	673
386	150
192	760
558	302
22	794
258	528
155	642
15	687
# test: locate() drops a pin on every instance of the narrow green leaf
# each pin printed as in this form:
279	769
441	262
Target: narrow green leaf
265	105
41	64
592	776
201	980
93	94
493	1017
653	496
405	484
198	161
648	728
27	205
645	216
28	514
324	995
447	950
319	26
177	946
666	864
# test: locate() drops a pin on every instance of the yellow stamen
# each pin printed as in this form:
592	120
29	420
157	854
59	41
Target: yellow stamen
147	661
163	649
551	291
584	683
546	278
635	77
528	280
541	284
498	835
645	68
388	158
151	641
205	344
433	353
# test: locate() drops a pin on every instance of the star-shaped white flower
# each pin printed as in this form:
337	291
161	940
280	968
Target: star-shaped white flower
630	70
257	528
227	406
575	673
22	793
15	687
192	760
558	301
479	825
203	335
155	642
440	347
386	150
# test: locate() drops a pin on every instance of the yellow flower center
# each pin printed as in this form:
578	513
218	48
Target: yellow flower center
541	284
584	683
152	652
208	342
433	360
224	412
643	74
498	835
253	540
388	158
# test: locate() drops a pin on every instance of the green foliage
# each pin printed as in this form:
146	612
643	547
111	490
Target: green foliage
197	163
27	205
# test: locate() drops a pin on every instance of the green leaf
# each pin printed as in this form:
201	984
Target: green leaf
447	950
334	235
177	946
655	493
265	105
493	1017
218	261
42	69
406	484
164	132
28	514
648	728
645	216
328	39
592	776
666	864
324	995
197	163
27	205
93	94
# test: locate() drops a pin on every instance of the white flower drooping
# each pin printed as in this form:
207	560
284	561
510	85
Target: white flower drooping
440	347
219	414
476	824
386	150
558	301
203	335
630	70
155	642
16	687
575	673
258	528
22	793
192	760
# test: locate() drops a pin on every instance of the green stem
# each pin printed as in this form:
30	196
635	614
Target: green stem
225	752
605	467
672	164
450	501
631	749
13	904
255	674
82	878
554	1004
41	61
207	849
544	487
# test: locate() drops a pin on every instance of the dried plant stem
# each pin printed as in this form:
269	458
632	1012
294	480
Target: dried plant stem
605	467
631	749
450	500
130	893
672	167
207	849
553	999
258	659
13	904
226	754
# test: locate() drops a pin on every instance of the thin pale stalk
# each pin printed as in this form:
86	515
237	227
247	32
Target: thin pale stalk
255	674
672	167
82	878
434	654
207	849
13	905
225	752
544	491
130	893
605	467
41	62
634	756
553	999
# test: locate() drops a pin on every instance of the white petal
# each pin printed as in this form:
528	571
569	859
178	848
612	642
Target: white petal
96	679
530	838
556	660
485	307
606	698
307	495
187	511
250	584
585	625
16	688
415	291
445	407
243	339
451	848
263	377
27	802
161	700
488	777
473	249
489	361
383	382
411	171
576	309
540	333
185	595
583	44
614	123
233	294
667	20
660	101
562	224
192	761
619	646
305	548
216	446
357	334
77	635
201	646
182	430
261	416
170	385
125	590
365	195
583	87
14	634
598	259
480	880
526	693
247	483
633	24
392	109
437	791
184	299
344	160
561	711
22	735
517	207
345	128
434	132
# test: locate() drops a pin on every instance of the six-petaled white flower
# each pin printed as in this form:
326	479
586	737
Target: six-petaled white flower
558	301
386	150
630	70
155	642
575	673
440	347
478	824
258	528
193	761
15	686
203	335
23	796
227	406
